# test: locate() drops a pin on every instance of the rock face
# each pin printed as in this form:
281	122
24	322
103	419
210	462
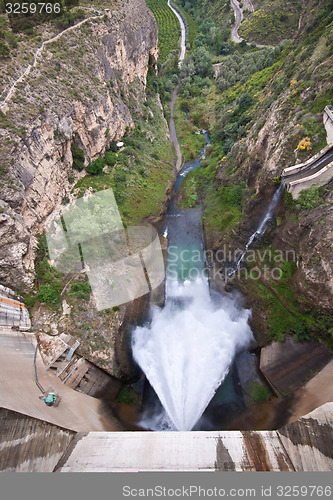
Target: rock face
285	114
95	71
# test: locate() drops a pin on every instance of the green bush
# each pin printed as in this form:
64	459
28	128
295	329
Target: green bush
259	392
50	294
302	331
113	147
231	196
11	39
245	102
110	158
78	157
96	167
126	396
310	198
80	290
288	200
4	50
119	176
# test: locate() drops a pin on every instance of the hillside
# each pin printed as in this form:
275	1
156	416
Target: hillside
89	88
271	22
264	104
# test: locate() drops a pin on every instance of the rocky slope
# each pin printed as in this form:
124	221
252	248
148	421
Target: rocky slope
79	91
258	128
303	233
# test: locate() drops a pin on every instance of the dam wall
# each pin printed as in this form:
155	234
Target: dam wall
30	445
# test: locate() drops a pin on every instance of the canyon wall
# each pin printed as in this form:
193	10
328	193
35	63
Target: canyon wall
80	91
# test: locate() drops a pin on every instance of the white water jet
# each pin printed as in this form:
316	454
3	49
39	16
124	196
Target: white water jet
187	350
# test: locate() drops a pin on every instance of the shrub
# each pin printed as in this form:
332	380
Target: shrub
259	392
288	200
11	39
50	294
231	196
129	151
96	167
125	396
110	158
80	290
245	102
4	50
310	198
302	331
113	148
78	157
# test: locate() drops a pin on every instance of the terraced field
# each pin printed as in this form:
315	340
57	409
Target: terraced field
168	27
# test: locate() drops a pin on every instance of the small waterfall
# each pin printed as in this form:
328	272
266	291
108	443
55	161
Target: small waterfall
262	226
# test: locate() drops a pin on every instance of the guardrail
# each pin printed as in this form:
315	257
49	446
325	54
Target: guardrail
329	111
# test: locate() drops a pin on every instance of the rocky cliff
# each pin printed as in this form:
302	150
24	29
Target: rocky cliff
288	113
81	91
263	120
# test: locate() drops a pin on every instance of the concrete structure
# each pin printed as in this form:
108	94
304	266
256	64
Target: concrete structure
28	444
76	411
12	310
318	171
289	365
303	445
328	123
42	438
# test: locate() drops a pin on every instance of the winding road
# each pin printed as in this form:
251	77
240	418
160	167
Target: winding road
172	129
239	17
247	4
183	34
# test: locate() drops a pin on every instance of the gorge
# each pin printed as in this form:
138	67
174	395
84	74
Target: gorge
249	276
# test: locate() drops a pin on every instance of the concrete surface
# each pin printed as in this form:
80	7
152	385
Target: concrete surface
305	445
308	441
315	393
28	445
288	365
12	310
304	175
328	123
19	392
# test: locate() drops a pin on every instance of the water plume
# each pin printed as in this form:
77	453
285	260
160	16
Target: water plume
188	347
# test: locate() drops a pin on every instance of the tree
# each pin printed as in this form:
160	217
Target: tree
203	62
96	167
110	158
245	102
78	157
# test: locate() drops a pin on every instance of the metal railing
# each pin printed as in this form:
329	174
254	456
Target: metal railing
35	371
329	111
